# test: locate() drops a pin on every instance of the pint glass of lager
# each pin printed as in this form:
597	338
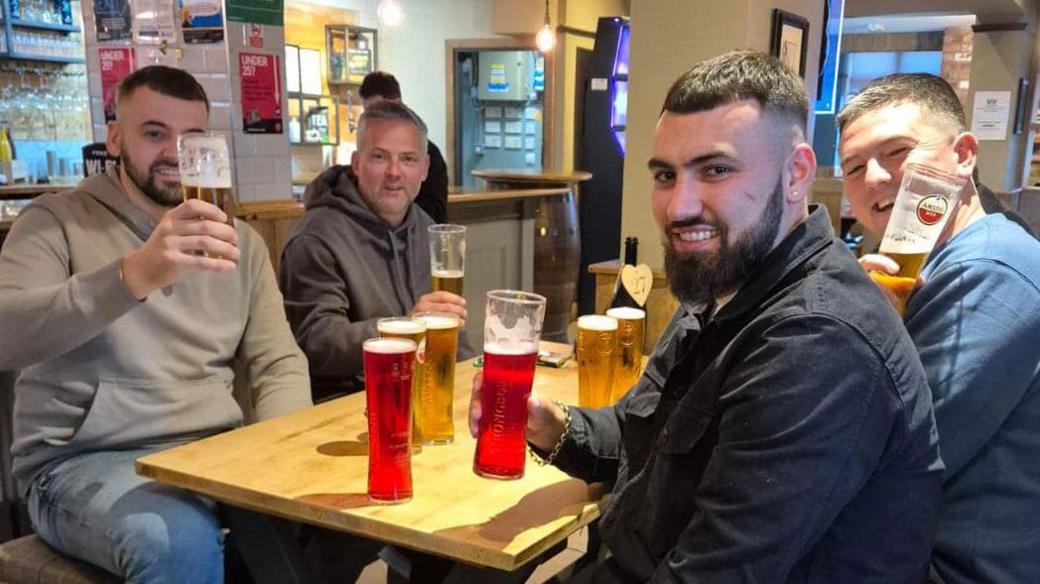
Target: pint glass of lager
597	336
512	329
433	417
924	203
413	329
389	365
447	257
628	353
205	169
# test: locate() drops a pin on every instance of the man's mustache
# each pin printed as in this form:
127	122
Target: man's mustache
690	222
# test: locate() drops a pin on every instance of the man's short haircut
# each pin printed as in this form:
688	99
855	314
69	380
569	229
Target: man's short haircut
736	76
380	83
392	111
168	81
932	93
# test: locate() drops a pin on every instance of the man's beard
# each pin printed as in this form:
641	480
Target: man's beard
169	196
699	278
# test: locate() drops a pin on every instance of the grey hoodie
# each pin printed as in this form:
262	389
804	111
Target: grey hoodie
102	371
343	268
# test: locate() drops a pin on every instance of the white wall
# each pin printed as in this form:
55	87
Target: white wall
415	52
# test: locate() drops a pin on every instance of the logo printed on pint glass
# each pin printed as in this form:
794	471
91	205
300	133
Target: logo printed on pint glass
930	209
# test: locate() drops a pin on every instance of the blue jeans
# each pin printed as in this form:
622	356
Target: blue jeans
96	508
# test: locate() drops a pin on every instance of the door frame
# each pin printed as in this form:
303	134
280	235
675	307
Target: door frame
523	43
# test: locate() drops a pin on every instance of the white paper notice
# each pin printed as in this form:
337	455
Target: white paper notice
492	126
989	118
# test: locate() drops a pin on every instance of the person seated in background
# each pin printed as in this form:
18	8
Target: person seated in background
975	319
433	195
782	430
127	337
361	250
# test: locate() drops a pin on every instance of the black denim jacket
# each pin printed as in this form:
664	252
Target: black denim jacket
789	438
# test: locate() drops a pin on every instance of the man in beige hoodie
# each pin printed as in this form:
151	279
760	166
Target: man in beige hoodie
126	338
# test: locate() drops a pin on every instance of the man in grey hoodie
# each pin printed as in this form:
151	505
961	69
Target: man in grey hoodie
361	251
127	338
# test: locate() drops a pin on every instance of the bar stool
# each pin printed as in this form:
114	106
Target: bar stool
28	560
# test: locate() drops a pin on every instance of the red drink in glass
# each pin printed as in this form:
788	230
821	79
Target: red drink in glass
389	366
502	440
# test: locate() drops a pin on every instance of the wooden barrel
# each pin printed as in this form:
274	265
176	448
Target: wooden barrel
557	248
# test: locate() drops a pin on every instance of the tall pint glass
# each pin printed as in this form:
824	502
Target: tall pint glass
512	329
447	257
597	336
433	416
205	170
924	203
389	365
628	354
413	329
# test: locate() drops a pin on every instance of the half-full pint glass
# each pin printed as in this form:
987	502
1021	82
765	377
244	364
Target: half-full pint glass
447	257
413	329
205	170
628	354
512	329
433	416
924	203
597	336
389	364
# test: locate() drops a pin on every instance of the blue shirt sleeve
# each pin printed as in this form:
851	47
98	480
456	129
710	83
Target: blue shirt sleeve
976	325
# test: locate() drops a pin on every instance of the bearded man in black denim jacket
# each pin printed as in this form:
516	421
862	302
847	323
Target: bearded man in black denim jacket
783	430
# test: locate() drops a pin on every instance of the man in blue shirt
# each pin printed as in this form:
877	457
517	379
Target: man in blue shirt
975	319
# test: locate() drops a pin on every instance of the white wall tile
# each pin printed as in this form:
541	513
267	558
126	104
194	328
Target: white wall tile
193	59
216	87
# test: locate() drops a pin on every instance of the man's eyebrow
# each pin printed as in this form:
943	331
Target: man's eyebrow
695	161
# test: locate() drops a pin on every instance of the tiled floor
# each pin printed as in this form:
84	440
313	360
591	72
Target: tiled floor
375	573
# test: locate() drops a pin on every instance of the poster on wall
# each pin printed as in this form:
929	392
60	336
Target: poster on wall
115	63
261	93
202	21
154	22
112	19
259	11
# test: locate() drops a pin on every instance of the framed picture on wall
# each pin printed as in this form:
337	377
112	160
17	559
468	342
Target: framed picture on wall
790	40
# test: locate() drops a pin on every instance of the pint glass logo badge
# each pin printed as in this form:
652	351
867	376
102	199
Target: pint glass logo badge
930	210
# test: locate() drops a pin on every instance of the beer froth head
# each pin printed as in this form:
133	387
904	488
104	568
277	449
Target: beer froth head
155	105
731	171
894	121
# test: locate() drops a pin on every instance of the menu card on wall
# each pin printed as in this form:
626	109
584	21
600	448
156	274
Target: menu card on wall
202	21
112	18
154	22
116	63
261	93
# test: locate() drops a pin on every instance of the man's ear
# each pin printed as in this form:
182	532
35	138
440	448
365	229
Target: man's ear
966	146
353	161
800	173
112	141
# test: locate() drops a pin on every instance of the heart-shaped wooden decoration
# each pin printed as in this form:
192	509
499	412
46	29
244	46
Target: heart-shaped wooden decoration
638	280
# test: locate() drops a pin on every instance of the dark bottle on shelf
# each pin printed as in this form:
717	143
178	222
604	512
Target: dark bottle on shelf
621	295
65	8
16	9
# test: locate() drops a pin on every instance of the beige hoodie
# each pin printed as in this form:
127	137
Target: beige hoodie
100	370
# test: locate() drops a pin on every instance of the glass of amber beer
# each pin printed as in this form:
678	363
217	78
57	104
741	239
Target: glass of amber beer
447	257
389	366
628	354
413	329
433	416
205	170
512	329
597	336
924	203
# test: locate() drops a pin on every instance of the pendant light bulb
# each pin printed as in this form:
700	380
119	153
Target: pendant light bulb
545	40
390	13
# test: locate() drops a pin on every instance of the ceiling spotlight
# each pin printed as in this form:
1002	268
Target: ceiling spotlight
390	13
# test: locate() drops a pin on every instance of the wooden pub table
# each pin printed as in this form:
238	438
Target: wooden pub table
312	466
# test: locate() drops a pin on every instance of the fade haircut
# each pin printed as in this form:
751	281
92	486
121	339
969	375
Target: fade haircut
932	93
380	83
168	81
392	111
740	75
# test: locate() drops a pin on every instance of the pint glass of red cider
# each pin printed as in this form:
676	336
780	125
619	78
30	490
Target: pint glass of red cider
389	366
512	329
